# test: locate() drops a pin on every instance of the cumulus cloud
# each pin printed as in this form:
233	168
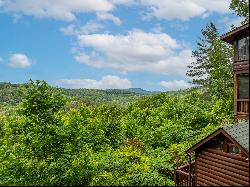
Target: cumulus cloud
108	16
18	60
123	2
65	10
175	84
107	82
88	28
135	51
157	29
229	22
184	9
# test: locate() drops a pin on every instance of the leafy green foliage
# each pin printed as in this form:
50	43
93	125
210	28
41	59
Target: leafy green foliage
46	142
241	8
9	95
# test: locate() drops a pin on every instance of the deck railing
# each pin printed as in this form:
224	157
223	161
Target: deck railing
182	176
243	107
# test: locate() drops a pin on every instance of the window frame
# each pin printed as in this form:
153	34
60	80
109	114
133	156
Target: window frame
238	51
238	85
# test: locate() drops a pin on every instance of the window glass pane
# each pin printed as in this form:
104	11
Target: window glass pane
243	87
243	48
233	149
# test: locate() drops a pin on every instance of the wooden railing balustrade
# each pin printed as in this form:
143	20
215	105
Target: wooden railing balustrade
181	175
243	106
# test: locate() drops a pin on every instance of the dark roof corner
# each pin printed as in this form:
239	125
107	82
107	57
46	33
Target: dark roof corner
240	133
231	36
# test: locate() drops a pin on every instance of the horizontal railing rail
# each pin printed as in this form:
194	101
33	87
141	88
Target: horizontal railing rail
243	106
182	176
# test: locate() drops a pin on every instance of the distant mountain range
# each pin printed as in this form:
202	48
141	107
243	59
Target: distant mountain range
9	94
134	90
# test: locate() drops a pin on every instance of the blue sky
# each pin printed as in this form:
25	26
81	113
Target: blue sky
105	43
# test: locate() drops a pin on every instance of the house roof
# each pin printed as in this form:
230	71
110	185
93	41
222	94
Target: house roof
237	133
231	36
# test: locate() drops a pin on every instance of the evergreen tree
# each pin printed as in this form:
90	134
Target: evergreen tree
199	69
212	67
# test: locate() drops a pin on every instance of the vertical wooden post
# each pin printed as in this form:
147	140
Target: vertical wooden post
235	47
189	171
175	177
235	94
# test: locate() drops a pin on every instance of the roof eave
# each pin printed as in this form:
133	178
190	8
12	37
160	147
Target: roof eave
230	36
206	139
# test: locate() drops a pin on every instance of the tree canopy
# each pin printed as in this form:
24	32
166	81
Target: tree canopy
241	8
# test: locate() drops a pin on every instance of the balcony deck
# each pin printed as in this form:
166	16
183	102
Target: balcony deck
182	176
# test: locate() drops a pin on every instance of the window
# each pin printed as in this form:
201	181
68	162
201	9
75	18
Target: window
243	87
217	143
243	48
233	148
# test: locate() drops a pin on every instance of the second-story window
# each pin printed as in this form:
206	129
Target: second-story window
243	87
243	48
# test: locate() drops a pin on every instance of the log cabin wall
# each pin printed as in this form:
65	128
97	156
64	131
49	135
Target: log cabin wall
216	168
216	165
239	38
240	68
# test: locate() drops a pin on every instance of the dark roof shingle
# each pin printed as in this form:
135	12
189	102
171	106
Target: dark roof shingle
239	132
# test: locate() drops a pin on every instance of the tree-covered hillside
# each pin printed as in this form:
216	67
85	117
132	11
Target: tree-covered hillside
43	141
9	95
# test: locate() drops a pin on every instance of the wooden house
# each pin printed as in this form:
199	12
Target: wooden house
239	38
222	158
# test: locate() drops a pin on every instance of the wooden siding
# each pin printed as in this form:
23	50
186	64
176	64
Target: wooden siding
241	106
215	168
239	66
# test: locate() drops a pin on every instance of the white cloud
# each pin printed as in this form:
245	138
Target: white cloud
108	16
157	29
69	30
107	82
18	60
123	2
175	84
88	28
228	22
136	51
65	10
1	60
221	6
184	9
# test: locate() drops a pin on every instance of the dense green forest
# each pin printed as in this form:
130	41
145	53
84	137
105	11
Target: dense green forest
9	95
46	142
53	136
